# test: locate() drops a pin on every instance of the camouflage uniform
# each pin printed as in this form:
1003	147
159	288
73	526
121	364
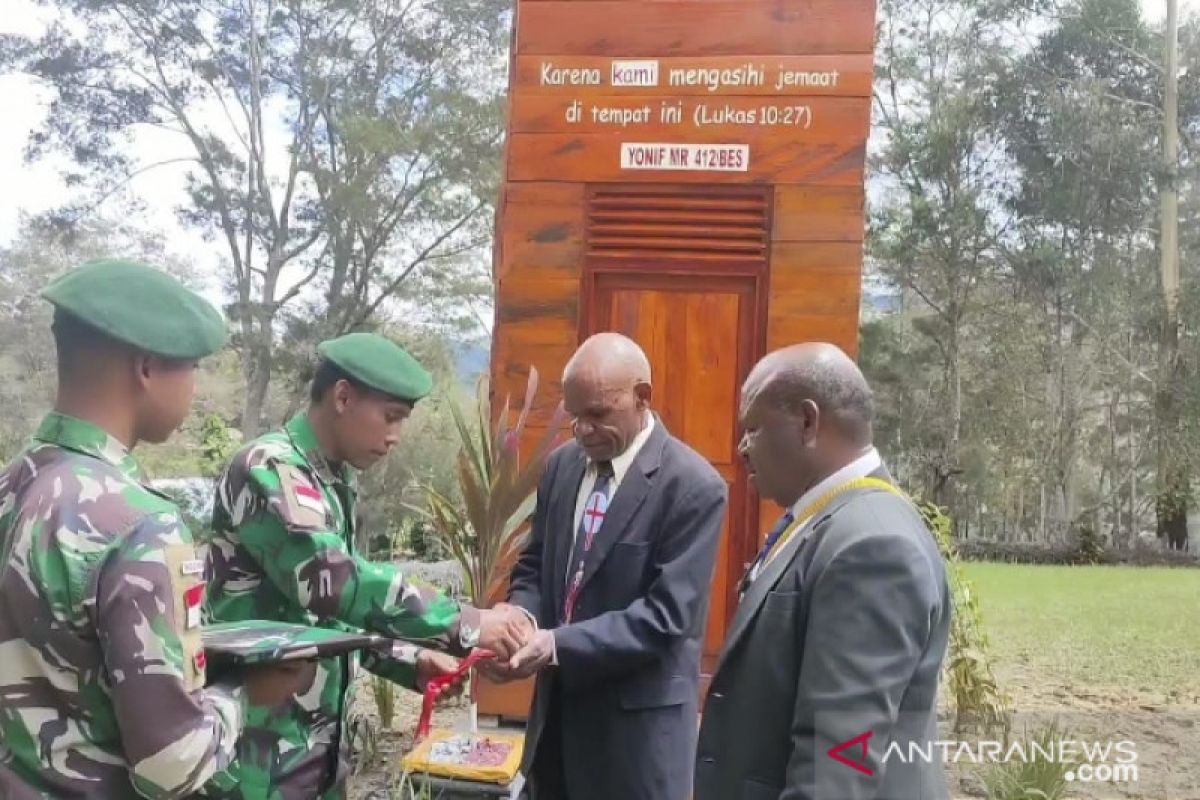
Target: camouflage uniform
101	669
283	549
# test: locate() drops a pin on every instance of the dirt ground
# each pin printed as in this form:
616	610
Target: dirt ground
1163	731
1166	737
377	774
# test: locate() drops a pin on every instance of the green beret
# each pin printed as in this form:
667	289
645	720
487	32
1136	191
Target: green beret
141	306
379	363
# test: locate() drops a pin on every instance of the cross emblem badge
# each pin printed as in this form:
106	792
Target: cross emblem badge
593	514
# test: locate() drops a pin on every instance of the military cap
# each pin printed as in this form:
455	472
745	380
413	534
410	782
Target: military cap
141	306
379	363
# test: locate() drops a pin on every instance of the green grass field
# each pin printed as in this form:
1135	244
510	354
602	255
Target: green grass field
1093	629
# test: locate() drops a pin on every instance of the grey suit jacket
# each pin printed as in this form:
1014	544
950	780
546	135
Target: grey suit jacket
840	639
629	662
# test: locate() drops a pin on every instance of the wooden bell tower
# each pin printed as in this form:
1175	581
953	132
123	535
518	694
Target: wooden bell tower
689	173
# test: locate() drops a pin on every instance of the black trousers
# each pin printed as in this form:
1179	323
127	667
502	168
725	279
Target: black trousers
548	778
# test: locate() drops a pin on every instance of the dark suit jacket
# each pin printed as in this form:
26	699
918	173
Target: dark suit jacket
629	662
842	634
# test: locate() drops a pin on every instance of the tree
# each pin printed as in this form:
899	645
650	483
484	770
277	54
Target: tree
1016	196
937	231
1173	489
335	148
1078	116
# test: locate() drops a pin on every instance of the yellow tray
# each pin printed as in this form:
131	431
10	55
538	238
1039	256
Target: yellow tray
423	759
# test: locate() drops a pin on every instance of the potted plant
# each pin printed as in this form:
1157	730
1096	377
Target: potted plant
486	534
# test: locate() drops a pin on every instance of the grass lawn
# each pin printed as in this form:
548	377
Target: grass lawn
1094	629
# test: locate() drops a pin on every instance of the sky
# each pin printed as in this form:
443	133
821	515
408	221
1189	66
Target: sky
36	187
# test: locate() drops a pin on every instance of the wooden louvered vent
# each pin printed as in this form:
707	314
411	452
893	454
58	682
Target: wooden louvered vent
727	223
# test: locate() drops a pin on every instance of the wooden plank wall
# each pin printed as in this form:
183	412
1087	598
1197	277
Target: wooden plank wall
729	57
790	79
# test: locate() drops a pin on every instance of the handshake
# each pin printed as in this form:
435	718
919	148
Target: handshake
513	636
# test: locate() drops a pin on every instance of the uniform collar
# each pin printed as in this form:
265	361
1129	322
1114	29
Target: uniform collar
89	439
304	438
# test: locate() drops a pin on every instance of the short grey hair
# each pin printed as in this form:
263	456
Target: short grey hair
826	376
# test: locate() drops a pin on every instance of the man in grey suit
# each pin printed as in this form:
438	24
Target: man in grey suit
830	666
616	576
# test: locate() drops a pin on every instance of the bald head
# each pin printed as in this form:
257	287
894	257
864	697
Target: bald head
822	374
806	413
606	390
612	355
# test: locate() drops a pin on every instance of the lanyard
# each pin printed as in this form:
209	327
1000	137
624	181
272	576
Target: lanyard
811	510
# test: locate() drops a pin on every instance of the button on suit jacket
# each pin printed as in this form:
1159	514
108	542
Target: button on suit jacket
839	640
629	661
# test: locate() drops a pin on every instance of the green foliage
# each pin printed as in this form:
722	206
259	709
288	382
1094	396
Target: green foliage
1015	197
1087	545
422	541
978	700
406	789
362	734
486	533
377	188
384	693
1035	778
218	443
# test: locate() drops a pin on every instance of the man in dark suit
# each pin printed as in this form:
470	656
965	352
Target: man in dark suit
830	666
616	575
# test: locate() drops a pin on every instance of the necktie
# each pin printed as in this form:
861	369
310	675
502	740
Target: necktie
772	537
594	509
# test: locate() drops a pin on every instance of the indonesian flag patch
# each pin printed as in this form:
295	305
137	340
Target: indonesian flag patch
303	503
309	497
193	602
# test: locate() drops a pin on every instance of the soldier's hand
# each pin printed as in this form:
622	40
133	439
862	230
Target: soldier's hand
275	684
430	664
503	630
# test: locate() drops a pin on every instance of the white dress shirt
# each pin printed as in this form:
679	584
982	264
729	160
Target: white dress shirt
620	465
860	467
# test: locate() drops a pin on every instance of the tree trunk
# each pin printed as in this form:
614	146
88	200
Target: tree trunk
946	466
1172	488
257	358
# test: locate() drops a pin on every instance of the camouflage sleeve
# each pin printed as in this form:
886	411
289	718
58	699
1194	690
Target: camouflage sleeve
398	664
274	514
178	737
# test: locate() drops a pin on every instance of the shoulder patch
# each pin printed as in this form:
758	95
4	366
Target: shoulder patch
303	503
187	586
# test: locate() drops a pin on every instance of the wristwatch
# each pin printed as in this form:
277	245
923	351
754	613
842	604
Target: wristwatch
469	625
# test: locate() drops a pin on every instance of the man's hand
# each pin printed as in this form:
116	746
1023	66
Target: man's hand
503	630
274	685
496	671
536	653
430	664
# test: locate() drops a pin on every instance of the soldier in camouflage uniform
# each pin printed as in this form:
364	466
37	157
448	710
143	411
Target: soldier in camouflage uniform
102	677
284	550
